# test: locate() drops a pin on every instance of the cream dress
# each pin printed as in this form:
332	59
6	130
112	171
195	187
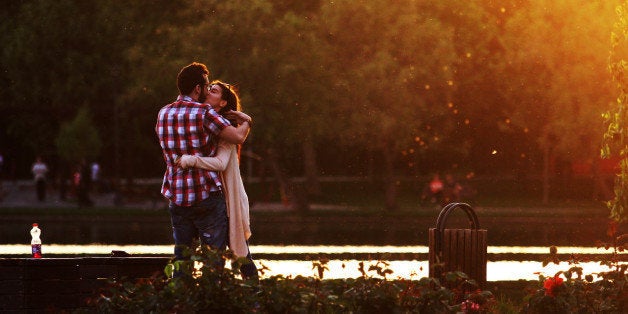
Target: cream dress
226	161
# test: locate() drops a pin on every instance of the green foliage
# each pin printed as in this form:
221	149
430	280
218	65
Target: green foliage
606	292
563	84
60	55
439	84
572	291
391	88
615	142
54	68
203	288
556	52
79	138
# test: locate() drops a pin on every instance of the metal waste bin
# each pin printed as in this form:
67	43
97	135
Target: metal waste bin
458	249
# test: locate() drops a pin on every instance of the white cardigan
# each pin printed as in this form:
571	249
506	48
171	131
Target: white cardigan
226	161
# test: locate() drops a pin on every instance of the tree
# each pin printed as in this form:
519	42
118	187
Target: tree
476	111
39	55
55	66
391	78
78	139
555	53
152	58
272	55
8	138
616	120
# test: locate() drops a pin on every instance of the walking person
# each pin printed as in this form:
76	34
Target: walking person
433	191
82	180
452	189
95	176
197	204
223	98
40	170
1	165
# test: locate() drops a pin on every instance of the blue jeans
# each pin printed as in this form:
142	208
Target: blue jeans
207	219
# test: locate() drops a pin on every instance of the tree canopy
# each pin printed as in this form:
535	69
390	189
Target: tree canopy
403	88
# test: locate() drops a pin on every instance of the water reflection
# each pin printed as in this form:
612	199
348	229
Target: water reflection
96	248
347	268
495	271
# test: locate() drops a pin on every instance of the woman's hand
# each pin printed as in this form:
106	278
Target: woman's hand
239	116
186	161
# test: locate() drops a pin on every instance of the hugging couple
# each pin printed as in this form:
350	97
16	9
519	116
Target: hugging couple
200	134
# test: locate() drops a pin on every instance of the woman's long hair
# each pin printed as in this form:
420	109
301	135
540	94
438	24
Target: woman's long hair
230	95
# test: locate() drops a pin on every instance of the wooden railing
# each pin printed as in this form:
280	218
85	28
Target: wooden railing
58	284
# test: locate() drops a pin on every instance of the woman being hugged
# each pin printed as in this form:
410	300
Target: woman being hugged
224	99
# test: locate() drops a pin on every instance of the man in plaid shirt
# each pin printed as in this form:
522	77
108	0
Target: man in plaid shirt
188	126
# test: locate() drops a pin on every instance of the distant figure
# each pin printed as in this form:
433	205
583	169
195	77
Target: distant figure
1	165
434	190
39	171
62	176
82	180
95	175
452	189
1	174
467	191
76	179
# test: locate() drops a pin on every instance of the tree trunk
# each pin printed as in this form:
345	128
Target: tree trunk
602	190
311	168
370	171
546	172
390	182
293	195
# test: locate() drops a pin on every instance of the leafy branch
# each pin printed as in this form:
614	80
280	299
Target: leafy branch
614	142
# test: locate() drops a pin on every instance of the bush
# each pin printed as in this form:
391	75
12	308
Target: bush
571	291
200	287
580	294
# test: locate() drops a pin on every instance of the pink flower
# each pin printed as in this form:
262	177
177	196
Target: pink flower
469	306
551	284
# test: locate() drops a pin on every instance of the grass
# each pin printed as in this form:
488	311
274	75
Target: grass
75	211
495	196
574	196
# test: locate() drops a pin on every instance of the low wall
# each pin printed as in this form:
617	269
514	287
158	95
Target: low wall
56	284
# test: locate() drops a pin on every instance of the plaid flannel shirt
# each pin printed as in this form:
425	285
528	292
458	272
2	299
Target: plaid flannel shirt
188	127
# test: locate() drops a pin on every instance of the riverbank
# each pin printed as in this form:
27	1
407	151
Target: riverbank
144	219
505	226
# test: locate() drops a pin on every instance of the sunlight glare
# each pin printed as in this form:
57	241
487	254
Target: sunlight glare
349	268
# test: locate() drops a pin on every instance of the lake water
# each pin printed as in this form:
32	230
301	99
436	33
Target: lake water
348	268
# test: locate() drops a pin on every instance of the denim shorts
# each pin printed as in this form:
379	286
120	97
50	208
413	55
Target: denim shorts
206	220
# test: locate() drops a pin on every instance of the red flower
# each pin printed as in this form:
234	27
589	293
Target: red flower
469	306
551	284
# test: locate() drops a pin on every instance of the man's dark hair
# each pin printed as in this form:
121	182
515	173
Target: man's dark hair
190	76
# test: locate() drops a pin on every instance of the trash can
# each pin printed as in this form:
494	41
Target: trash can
458	249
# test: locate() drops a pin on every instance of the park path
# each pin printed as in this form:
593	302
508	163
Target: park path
21	193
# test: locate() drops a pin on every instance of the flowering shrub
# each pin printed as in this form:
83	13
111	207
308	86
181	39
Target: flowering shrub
604	292
578	294
202	288
552	285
